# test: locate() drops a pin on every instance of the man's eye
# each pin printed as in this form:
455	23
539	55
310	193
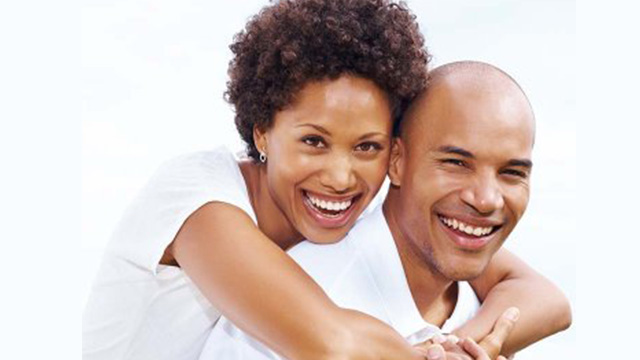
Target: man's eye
315	141
513	172
456	162
369	147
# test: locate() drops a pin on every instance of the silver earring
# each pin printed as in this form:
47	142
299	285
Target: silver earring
263	157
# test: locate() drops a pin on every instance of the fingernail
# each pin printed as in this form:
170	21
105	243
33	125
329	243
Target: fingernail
513	314
439	338
435	353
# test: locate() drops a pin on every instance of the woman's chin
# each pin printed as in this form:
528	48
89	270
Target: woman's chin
326	236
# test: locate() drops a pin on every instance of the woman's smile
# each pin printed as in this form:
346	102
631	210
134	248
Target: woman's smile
330	211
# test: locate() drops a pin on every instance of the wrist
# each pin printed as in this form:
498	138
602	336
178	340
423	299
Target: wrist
334	339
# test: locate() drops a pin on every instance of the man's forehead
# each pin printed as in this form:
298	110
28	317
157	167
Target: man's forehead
463	103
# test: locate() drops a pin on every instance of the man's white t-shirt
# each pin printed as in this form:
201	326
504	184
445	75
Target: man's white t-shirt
361	272
139	309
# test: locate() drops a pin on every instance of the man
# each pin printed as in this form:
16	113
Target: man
459	184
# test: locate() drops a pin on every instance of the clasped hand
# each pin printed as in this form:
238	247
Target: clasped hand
449	347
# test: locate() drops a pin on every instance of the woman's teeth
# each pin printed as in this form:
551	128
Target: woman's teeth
467	229
329	205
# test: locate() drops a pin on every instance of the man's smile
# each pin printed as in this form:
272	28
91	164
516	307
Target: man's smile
468	235
468	229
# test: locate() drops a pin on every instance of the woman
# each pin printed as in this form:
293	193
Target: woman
317	87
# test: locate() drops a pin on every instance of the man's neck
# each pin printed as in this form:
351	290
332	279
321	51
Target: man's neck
434	295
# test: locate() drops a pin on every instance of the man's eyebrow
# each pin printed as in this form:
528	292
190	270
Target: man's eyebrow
455	150
520	162
317	127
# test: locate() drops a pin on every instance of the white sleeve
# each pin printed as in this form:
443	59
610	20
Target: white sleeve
228	342
179	188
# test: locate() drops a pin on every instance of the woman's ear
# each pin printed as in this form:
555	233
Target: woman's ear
260	139
396	162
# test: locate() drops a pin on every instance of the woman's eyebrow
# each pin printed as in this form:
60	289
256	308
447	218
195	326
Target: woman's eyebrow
328	133
317	127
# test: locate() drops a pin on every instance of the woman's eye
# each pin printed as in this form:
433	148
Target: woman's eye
369	147
315	141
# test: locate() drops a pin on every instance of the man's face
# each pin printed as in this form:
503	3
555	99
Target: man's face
463	169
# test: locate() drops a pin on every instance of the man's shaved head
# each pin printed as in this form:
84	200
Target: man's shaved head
475	76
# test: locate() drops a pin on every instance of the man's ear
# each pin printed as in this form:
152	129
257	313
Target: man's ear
396	163
260	139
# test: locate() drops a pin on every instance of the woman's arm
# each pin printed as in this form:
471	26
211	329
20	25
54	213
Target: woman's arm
265	293
508	282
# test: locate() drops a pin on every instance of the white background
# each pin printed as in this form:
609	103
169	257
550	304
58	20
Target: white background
153	74
150	85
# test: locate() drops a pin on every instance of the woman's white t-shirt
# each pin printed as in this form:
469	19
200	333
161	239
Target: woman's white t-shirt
139	309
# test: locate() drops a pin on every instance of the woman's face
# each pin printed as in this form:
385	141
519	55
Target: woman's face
328	154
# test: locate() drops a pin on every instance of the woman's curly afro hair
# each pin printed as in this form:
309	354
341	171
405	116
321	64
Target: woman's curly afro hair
292	42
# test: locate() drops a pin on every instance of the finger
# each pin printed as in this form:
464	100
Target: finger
425	344
501	358
448	342
453	339
474	349
439	338
492	343
435	352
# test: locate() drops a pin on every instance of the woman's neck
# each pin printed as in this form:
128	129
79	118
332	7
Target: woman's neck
271	220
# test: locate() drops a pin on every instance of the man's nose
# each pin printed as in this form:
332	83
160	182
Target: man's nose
484	194
339	174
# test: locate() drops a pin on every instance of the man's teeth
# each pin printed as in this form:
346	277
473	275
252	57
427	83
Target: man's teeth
329	205
468	229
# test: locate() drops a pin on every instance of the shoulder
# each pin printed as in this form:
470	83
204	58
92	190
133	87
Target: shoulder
216	163
199	177
325	263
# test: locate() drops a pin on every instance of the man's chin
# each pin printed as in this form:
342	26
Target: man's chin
464	273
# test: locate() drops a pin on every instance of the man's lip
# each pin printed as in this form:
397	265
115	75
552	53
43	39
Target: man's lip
467	241
471	220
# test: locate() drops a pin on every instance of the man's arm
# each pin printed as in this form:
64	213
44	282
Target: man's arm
509	282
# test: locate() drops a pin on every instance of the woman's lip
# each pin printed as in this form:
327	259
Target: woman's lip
331	198
466	241
333	221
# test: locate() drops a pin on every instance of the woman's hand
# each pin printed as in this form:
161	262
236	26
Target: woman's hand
506	282
451	348
466	349
493	342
